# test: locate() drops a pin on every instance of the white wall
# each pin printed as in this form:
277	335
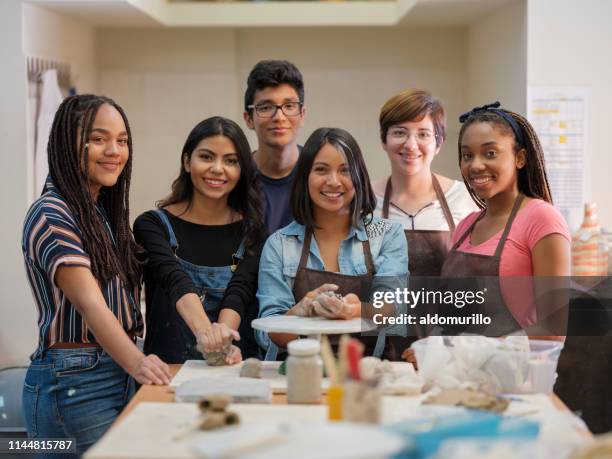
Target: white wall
17	313
53	36
167	80
497	58
570	44
27	30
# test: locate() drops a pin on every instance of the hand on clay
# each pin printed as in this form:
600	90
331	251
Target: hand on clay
333	306
216	338
305	307
233	356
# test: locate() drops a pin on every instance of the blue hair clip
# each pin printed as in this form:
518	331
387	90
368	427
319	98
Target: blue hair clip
494	108
484	108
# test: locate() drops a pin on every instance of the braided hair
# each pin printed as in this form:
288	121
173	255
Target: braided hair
68	159
532	178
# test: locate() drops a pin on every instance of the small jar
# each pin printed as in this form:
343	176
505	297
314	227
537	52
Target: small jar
304	371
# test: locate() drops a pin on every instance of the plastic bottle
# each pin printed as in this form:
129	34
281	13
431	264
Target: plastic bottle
304	371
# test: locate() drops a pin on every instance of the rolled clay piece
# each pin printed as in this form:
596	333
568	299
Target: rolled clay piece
216	419
251	368
232	418
215	359
330	293
214	403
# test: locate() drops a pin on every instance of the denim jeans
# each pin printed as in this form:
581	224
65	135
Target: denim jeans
74	393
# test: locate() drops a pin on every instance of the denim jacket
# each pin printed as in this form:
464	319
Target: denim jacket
281	256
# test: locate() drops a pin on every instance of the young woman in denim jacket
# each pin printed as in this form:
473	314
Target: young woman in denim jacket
334	244
81	263
203	244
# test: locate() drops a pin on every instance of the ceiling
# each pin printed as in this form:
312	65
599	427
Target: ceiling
234	13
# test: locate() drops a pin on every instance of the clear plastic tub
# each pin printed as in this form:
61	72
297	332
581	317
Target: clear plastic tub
540	374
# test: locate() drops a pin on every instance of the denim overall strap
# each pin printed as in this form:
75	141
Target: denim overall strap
166	221
241	249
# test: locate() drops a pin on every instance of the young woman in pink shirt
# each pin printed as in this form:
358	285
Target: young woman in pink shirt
517	235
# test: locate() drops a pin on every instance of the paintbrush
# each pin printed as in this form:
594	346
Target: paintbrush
343	358
329	361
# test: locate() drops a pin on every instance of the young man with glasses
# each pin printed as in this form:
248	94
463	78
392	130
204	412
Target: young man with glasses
274	109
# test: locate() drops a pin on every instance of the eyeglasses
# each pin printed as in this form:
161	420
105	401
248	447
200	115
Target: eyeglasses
269	110
423	138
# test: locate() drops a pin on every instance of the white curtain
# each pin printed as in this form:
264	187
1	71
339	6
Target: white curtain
50	99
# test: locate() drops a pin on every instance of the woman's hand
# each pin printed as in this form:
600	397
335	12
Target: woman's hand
305	306
333	307
409	356
216	338
151	370
233	356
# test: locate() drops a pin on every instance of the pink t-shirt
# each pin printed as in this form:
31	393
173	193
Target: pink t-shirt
534	221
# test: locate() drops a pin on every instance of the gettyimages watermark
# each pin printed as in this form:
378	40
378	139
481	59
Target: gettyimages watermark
491	306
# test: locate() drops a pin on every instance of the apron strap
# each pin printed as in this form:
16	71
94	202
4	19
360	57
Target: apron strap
386	199
468	231
367	253
502	240
166	222
305	250
504	236
443	203
439	194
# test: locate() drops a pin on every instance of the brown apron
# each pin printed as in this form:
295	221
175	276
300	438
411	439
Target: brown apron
471	265
307	279
585	365
427	250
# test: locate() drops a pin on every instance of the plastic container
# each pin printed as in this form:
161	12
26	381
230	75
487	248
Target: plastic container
304	371
542	362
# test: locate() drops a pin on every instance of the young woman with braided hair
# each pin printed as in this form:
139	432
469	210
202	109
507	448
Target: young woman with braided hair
81	262
518	235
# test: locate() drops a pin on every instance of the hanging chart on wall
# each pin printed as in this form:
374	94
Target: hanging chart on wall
559	116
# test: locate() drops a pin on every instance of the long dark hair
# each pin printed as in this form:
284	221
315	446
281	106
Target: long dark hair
363	203
245	198
532	178
68	160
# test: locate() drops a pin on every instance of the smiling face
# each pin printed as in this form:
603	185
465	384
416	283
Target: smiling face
213	167
329	183
280	130
107	149
411	146
489	163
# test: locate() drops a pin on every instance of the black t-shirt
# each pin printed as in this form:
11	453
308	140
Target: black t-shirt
277	195
204	245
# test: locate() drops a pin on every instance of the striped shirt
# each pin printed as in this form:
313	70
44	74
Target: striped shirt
51	238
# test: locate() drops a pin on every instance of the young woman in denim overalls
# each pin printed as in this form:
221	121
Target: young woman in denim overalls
202	245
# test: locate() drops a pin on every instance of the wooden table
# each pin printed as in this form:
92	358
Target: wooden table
150	393
137	429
